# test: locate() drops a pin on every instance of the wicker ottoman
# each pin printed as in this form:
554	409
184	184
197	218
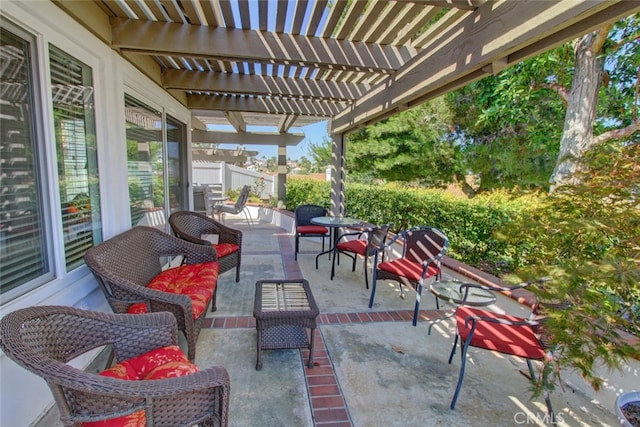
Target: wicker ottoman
284	309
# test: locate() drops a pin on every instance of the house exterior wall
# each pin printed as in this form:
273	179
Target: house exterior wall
24	396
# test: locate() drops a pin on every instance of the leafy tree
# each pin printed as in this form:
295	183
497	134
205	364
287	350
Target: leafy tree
321	155
272	164
305	164
540	117
508	131
411	146
585	237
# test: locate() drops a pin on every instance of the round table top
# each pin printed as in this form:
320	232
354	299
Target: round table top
450	290
337	221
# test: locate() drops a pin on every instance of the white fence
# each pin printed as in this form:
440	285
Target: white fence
232	177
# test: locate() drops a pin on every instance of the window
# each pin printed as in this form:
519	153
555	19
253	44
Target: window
27	212
23	253
74	124
176	146
145	162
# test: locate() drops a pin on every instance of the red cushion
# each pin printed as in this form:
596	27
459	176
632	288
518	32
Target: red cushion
355	246
164	362
508	339
224	249
197	281
409	269
312	229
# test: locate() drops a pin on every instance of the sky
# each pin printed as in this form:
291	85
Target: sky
314	133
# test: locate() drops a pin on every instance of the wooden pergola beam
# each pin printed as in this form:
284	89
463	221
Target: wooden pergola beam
264	105
211	81
246	138
166	38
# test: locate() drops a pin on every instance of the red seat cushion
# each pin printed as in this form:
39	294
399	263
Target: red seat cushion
164	362
312	229
355	246
197	281
224	249
508	339
409	269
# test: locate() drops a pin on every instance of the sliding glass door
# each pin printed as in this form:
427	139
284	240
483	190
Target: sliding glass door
156	147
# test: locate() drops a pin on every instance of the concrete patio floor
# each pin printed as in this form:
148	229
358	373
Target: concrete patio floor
372	367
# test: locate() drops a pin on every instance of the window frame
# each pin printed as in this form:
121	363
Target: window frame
57	279
42	166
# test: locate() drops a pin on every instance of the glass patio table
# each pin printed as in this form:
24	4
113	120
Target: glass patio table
333	223
449	290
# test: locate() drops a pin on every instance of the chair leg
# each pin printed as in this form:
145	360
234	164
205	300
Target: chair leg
366	272
416	310
297	246
547	398
453	349
247	217
463	363
333	262
373	287
238	273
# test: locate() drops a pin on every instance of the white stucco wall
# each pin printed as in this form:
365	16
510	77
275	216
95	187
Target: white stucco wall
24	397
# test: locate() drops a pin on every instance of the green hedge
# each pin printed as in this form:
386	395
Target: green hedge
471	225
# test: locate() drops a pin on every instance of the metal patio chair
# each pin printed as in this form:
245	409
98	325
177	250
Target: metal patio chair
240	206
503	333
422	250
304	228
363	243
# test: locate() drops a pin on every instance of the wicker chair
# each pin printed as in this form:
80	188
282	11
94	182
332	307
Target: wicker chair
191	226
303	215
43	339
126	263
422	250
363	243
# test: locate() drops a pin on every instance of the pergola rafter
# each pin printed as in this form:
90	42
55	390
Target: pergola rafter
355	62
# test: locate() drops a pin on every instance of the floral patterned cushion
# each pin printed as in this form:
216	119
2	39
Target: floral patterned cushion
224	249
164	362
197	281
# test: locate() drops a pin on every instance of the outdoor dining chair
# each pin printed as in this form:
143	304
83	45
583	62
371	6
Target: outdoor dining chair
422	250
503	333
240	206
303	226
198	228
152	383
363	243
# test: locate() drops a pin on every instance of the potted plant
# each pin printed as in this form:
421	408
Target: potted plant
628	409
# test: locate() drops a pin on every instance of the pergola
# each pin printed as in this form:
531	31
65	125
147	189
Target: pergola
286	63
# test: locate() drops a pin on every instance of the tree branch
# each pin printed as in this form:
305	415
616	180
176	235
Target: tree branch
557	88
616	133
600	37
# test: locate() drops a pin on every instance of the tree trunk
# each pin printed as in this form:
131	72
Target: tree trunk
577	135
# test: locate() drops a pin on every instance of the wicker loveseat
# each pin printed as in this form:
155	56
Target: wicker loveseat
140	390
128	268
